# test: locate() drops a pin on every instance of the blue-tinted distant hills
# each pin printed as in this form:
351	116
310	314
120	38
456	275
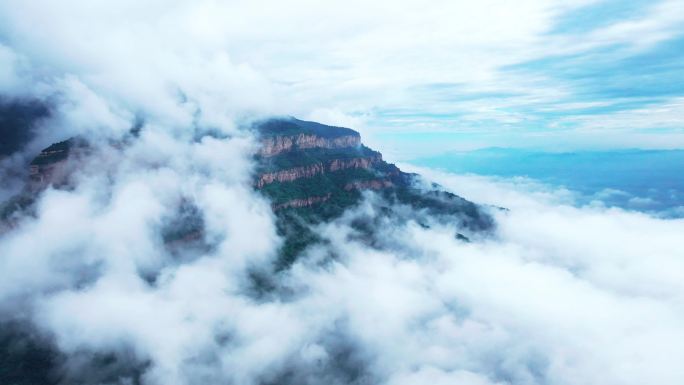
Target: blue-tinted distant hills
645	180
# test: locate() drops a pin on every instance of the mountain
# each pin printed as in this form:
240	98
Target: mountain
313	172
310	172
647	180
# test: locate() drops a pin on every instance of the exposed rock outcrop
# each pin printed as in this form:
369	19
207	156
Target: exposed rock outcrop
274	145
375	184
309	172
53	165
342	164
299	203
292	174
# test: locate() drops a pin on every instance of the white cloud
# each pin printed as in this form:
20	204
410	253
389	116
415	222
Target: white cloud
667	115
303	57
563	294
558	295
366	55
8	63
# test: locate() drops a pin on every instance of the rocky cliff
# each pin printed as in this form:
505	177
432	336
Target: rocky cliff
288	134
275	145
292	174
54	164
309	171
312	173
299	160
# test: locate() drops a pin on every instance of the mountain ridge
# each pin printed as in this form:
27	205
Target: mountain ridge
310	172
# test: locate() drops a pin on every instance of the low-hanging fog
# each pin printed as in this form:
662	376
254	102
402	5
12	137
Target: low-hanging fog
560	293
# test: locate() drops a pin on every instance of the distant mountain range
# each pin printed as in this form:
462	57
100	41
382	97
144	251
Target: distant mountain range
637	179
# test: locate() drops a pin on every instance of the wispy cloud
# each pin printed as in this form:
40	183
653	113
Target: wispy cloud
559	294
491	67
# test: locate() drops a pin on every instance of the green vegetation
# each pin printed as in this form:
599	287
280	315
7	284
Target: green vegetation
442	204
292	126
295	224
311	156
55	153
317	186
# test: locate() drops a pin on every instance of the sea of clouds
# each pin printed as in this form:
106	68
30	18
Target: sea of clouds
560	293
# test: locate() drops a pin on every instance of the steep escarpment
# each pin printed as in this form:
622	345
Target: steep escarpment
310	172
280	144
290	174
319	179
302	202
280	136
344	162
331	162
53	166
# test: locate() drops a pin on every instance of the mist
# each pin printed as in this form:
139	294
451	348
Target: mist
560	292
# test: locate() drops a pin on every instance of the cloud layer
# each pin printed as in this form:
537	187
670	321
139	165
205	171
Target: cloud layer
535	73
560	294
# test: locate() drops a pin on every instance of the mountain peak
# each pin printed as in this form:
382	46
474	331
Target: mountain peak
291	125
311	173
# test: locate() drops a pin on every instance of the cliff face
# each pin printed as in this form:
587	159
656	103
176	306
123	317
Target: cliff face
342	164
284	135
299	161
292	174
272	146
304	202
310	173
375	184
54	165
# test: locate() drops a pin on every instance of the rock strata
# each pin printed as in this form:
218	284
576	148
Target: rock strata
274	145
376	184
292	174
299	203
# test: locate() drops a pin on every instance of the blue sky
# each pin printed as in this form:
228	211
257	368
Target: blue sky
559	292
604	84
415	78
641	180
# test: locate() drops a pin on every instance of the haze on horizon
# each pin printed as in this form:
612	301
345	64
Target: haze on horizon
555	286
414	78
